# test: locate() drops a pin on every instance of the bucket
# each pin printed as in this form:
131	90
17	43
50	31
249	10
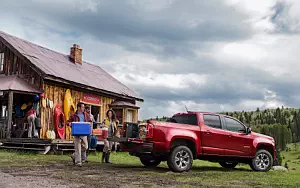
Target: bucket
104	133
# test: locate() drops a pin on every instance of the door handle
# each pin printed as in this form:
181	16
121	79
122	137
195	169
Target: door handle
207	132
230	135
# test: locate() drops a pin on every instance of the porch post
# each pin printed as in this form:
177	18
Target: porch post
10	109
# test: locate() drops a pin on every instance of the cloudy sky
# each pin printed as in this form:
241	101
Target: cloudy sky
210	55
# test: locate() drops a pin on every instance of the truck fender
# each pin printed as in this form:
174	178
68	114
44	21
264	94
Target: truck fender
265	144
188	138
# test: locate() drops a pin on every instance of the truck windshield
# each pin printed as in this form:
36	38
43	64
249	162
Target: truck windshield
189	119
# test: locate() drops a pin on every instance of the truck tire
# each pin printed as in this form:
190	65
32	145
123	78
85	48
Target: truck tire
180	159
262	162
226	164
149	161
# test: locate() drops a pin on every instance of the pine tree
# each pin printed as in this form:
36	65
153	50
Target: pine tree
278	161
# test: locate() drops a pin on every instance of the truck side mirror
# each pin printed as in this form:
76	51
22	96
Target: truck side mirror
248	130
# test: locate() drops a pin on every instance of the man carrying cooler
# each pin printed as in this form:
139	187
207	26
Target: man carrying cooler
80	142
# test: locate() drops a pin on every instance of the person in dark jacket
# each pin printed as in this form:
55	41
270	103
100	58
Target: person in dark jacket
80	142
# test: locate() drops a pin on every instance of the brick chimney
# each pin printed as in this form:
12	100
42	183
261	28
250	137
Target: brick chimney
76	54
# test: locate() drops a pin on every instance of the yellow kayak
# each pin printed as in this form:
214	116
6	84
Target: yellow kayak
69	108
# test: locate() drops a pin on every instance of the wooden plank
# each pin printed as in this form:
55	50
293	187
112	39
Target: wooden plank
6	55
51	97
14	65
10	109
45	112
8	63
22	148
25	140
38	144
56	96
18	66
136	119
11	61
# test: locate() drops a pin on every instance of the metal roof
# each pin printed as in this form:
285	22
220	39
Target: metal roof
60	66
14	83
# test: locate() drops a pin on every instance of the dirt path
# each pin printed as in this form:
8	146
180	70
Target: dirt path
29	181
91	175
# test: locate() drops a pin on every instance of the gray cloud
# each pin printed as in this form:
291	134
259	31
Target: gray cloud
180	36
283	22
175	28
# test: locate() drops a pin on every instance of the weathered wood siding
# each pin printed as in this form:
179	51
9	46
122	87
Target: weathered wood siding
15	65
56	94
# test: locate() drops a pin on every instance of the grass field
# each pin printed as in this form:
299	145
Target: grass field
127	171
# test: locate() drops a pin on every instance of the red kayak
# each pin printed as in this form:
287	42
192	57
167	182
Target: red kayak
59	121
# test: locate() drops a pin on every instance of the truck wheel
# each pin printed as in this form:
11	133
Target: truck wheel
149	161
226	164
180	159
262	161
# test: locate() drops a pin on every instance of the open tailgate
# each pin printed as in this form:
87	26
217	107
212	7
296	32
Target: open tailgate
129	133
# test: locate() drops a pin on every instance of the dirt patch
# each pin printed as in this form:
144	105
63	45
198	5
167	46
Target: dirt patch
32	180
90	175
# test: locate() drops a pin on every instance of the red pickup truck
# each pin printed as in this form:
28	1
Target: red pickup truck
197	135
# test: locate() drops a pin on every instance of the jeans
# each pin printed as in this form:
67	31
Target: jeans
31	122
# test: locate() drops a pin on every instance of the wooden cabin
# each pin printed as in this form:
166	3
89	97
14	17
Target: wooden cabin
30	73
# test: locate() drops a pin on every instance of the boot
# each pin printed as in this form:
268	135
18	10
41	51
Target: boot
103	157
107	157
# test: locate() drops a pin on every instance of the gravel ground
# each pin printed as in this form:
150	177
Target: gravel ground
30	181
91	176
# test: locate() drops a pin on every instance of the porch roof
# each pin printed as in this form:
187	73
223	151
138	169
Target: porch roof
15	83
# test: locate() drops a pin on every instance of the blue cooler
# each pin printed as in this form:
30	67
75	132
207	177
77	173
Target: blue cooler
81	128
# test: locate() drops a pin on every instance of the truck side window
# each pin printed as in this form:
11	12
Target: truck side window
233	125
212	121
189	119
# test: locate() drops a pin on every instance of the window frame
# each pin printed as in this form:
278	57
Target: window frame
226	126
221	122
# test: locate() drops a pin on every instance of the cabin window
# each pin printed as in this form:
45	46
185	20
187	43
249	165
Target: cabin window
129	117
1	62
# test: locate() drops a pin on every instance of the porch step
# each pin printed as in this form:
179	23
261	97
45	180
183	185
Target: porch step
22	148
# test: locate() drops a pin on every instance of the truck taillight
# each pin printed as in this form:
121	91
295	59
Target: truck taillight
149	131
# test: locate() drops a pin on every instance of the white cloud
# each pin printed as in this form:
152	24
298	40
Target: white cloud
175	47
176	81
